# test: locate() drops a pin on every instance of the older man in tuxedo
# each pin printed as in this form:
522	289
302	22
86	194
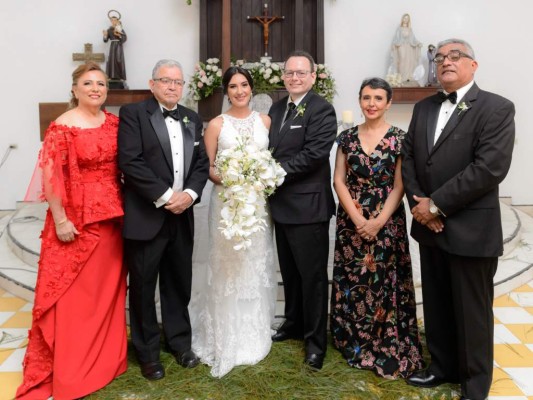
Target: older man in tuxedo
165	166
457	151
302	133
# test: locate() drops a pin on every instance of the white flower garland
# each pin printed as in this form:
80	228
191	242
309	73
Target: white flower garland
249	175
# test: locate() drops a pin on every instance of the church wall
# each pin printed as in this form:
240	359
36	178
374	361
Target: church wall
38	39
359	34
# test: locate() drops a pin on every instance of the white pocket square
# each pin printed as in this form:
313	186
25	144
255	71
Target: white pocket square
196	143
296	126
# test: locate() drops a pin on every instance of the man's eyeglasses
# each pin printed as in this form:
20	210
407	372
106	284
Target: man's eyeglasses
453	55
299	74
168	81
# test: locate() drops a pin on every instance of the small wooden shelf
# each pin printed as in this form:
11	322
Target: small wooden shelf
407	95
118	97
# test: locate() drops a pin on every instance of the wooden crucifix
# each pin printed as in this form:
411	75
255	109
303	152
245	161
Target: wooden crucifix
265	20
88	55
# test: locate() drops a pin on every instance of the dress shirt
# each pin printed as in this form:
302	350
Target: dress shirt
176	145
447	108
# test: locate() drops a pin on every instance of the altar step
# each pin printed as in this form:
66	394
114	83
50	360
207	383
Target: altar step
20	245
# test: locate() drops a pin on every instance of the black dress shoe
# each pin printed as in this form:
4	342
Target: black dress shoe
467	398
424	379
186	359
282	335
315	361
152	370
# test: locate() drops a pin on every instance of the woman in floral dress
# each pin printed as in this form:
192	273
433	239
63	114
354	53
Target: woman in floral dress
373	309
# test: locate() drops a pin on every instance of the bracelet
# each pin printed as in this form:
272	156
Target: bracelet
58	224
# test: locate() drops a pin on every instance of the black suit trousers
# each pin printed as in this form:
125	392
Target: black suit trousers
303	258
169	256
458	294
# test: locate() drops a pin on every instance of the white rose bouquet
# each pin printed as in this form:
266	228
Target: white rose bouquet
249	175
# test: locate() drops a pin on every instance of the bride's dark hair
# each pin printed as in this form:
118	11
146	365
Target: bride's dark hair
232	71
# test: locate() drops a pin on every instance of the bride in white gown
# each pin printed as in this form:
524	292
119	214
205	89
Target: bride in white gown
233	310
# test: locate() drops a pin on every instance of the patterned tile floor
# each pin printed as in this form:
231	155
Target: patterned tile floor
513	344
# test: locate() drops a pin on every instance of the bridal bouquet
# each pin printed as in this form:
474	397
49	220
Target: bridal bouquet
249	175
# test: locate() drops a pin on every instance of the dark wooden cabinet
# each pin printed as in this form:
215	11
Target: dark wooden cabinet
302	28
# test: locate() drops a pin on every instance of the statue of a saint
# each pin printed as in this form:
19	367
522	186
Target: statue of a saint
432	68
405	52
116	66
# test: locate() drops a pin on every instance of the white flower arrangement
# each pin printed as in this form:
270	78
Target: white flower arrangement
300	110
267	77
206	78
395	80
462	107
186	121
249	175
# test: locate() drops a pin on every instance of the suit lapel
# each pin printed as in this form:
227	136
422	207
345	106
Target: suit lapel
277	120
284	128
433	116
188	131
160	129
457	115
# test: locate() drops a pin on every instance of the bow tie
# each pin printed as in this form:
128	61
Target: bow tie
452	97
171	113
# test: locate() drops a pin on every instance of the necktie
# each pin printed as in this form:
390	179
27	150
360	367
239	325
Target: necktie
171	113
452	97
290	109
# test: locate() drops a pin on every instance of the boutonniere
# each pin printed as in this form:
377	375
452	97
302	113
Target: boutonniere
186	121
300	110
462	107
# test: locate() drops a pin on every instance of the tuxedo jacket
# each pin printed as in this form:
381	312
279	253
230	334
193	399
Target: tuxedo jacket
462	171
145	158
302	146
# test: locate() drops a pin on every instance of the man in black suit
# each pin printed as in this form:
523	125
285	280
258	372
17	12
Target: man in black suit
162	156
457	151
304	127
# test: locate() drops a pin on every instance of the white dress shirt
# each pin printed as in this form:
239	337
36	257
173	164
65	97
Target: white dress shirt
176	145
447	108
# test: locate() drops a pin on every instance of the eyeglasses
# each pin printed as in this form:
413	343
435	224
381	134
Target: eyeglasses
453	55
168	81
299	74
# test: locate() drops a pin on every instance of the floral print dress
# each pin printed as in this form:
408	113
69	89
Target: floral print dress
373	309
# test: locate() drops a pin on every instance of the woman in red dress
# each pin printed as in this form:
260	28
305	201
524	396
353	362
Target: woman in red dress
77	342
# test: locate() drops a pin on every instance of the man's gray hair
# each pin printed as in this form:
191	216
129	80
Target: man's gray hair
469	49
165	63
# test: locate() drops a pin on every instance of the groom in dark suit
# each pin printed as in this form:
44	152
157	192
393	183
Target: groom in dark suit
304	127
162	156
457	151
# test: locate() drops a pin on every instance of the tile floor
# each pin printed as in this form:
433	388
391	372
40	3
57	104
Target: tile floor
513	356
513	344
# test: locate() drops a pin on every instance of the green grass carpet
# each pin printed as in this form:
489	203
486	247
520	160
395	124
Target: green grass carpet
281	375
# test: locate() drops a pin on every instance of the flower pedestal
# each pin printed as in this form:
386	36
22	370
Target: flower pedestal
211	106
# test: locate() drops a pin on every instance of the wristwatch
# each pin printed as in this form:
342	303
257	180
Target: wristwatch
433	209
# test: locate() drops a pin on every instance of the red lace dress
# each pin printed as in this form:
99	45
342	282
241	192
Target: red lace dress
77	342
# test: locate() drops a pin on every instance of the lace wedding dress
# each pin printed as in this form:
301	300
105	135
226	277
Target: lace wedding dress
232	311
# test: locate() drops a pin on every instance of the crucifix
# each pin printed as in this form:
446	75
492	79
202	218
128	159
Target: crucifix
265	20
88	55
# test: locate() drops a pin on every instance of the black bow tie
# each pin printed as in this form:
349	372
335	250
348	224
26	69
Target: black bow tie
171	113
452	97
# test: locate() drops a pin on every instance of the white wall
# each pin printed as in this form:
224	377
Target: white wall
37	40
